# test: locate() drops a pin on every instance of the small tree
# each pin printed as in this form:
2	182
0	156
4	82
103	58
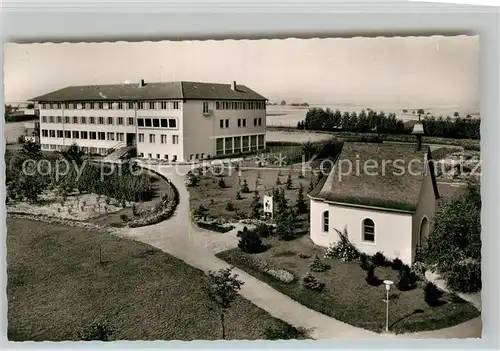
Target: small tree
256	205
432	294
285	226
250	241
193	179
32	149
244	188
289	183
222	183
223	288
74	154
316	265
278	180
238	195
301	204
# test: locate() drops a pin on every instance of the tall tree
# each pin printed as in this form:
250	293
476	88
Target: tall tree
223	289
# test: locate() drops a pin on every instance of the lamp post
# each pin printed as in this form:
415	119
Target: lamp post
388	284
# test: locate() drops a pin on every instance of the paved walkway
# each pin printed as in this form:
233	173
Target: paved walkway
196	247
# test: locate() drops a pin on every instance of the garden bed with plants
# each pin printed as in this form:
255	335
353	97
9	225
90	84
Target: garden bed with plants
351	290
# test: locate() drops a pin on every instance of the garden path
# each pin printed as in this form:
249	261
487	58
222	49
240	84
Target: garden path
196	247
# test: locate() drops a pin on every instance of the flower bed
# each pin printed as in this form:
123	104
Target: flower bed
164	211
214	226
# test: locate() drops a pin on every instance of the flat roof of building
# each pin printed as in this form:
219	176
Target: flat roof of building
151	91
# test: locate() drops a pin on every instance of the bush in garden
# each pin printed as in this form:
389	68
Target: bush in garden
371	278
311	283
135	211
230	207
287	332
124	218
289	183
201	212
244	188
21	139
379	260
364	261
238	195
278	181
301	204
256	205
193	179
316	265
464	277
250	242
418	269
407	280
397	264
222	183
263	230
432	294
343	249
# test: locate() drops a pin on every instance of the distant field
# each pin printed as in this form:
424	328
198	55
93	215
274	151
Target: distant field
13	130
290	115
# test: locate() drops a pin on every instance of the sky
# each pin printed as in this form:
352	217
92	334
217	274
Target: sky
400	71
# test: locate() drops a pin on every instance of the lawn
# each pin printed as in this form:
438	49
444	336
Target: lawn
347	296
209	194
56	286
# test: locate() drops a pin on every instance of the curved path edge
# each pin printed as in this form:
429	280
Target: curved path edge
178	238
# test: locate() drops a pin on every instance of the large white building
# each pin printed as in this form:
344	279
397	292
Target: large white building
383	195
174	121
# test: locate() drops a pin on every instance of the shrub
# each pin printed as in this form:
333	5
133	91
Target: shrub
432	294
343	249
289	183
309	282
379	260
278	181
407	280
397	264
263	230
230	207
317	266
222	183
244	188
21	139
464	277
365	263
286	332
371	278
213	226
304	255
418	269
250	242
135	211
124	218
238	195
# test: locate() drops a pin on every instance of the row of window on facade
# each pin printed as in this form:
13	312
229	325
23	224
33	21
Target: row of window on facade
91	150
112	105
76	134
236	105
158	156
367	227
238	144
141	122
242	122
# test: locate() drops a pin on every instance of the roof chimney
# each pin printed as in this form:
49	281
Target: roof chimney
233	86
142	83
418	130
